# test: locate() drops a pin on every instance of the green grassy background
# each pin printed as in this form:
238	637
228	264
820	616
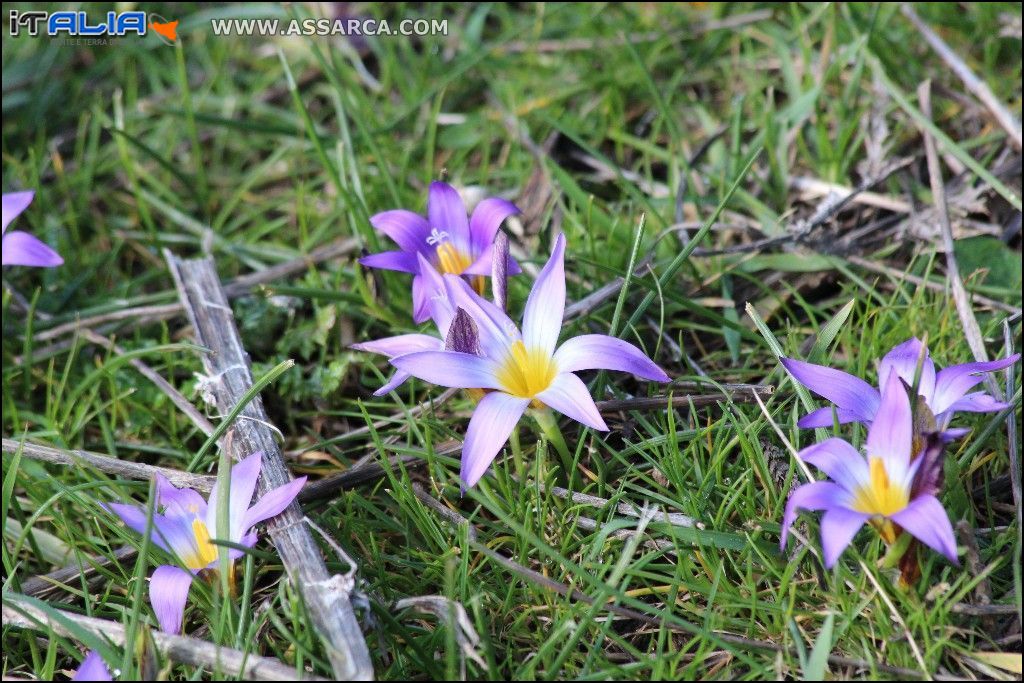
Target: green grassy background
257	150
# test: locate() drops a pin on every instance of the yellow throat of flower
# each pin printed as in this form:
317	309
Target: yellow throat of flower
879	496
526	373
205	552
451	259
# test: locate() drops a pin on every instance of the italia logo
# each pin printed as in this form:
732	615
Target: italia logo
78	24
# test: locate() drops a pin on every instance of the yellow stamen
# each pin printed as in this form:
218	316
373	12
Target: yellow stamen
451	259
206	552
526	373
879	496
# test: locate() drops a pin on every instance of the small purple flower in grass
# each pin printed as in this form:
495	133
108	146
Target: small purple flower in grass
184	523
21	248
93	668
449	242
517	370
877	487
944	392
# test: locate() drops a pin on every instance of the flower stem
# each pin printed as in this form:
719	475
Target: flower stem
549	426
896	550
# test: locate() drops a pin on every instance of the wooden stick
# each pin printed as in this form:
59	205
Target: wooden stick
46	585
206	304
19	612
104	463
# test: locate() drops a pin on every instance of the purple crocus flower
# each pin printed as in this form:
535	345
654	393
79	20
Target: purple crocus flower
517	370
944	392
93	668
21	248
877	487
449	242
184	522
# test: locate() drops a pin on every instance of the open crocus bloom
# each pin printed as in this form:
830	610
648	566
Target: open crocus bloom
93	668
945	392
184	523
517	369
21	248
877	487
445	238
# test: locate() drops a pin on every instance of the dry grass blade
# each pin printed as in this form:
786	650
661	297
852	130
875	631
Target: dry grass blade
977	86
956	283
18	612
227	361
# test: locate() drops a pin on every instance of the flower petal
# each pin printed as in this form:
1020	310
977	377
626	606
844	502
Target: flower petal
822	417
542	318
463	335
497	331
891	433
838	527
601	352
22	249
400	345
398	378
977	402
435	293
171	534
484	265
492	422
817	495
447	213
569	395
485	221
953	382
402	261
420	301
926	520
407	229
175	502
848	392
243	483
14	203
93	668
903	359
450	369
272	503
499	271
168	592
839	460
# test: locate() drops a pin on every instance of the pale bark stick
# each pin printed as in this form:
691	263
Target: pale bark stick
227	364
20	612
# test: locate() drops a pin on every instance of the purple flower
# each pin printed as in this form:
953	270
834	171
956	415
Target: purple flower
876	487
21	248
944	392
93	668
522	369
445	238
184	522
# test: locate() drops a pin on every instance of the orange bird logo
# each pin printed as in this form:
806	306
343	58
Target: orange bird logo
169	30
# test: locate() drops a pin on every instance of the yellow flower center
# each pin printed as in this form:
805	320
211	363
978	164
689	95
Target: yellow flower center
451	259
205	552
879	496
526	373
